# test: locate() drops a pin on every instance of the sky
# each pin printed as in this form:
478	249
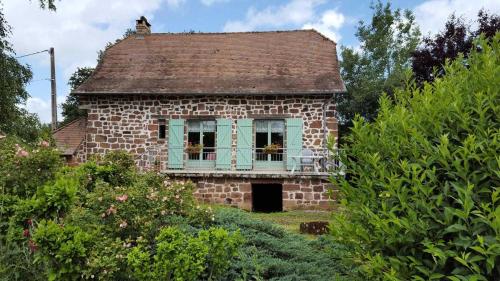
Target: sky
80	28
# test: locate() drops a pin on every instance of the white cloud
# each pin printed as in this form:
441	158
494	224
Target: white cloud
211	2
296	12
431	15
175	3
42	107
329	24
77	31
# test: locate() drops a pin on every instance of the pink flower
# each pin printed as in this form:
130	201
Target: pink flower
22	153
122	198
111	210
44	144
123	224
29	222
26	233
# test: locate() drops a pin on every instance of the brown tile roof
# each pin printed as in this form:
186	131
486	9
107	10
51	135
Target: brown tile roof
280	62
70	136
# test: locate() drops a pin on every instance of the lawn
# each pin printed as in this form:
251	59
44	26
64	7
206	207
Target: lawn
291	220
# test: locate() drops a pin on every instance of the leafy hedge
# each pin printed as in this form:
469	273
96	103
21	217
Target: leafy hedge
422	185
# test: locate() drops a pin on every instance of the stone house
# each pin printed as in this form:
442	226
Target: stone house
245	116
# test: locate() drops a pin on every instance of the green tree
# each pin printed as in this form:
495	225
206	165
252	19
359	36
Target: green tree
422	185
386	45
14	76
70	110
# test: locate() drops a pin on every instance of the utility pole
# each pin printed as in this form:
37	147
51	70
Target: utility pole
53	88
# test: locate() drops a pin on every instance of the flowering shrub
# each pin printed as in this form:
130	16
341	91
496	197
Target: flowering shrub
81	223
24	168
116	168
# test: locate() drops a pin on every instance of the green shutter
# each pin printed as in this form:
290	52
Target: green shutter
244	144
175	143
293	142
224	139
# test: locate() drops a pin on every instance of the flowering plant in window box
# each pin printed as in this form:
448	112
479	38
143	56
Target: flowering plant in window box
271	148
194	148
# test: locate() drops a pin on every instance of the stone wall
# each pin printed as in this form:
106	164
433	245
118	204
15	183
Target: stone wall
298	193
131	122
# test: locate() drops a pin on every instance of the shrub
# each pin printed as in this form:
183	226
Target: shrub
63	248
272	253
24	168
422	185
179	256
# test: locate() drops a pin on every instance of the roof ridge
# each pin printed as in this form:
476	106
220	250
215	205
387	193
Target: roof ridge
70	123
232	32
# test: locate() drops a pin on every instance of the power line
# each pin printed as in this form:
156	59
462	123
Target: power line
31	54
38	80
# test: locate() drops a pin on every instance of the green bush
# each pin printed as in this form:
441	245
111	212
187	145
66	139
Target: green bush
179	256
422	185
63	248
116	168
24	168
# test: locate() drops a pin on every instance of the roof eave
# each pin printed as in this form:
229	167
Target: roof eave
326	92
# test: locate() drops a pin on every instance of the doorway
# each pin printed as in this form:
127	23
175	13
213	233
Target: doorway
267	197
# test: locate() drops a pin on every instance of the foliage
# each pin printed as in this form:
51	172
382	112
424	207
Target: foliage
272	253
81	223
421	192
63	248
17	263
14	76
23	168
456	38
380	64
70	110
179	256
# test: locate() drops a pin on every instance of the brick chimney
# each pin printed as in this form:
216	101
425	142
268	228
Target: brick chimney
142	26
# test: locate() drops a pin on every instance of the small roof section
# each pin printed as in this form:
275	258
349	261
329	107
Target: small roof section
277	62
70	136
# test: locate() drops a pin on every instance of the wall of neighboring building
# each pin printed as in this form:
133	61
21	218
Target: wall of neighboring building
131	122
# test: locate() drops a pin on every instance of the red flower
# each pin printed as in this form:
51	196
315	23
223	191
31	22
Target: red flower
29	222
26	233
33	247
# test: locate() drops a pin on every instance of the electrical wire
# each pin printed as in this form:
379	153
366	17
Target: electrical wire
31	54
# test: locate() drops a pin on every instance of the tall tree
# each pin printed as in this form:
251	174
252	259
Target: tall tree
456	38
70	110
13	79
380	64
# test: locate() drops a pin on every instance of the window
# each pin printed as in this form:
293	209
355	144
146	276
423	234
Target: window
201	140
269	136
162	129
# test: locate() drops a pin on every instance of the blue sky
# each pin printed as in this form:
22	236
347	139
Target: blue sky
80	28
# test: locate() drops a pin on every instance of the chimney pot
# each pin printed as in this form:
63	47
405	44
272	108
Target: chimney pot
142	26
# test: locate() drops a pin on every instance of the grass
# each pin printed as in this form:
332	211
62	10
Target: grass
291	220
